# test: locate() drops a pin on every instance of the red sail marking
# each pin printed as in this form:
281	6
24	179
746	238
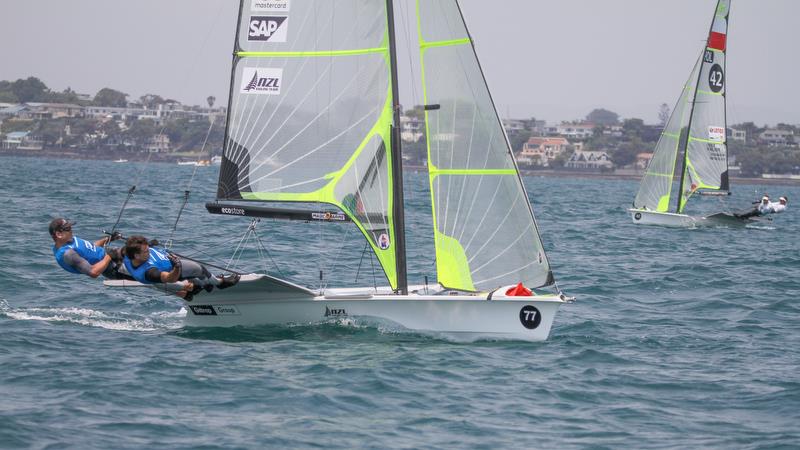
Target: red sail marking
716	41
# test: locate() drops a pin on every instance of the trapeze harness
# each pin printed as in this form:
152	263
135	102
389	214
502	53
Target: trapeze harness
85	249
157	259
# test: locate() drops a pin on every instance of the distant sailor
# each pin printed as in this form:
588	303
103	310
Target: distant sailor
79	256
156	265
761	209
780	206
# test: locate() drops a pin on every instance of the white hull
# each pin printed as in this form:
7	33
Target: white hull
461	317
643	217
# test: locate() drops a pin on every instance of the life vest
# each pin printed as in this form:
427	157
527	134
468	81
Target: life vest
85	249
157	259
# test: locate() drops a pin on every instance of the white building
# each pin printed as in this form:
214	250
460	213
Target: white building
595	160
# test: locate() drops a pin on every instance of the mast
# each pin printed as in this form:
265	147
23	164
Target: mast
685	150
725	181
230	92
397	163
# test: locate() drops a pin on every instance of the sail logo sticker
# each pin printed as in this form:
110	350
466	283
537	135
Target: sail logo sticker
708	57
257	80
530	317
328	216
716	78
269	5
268	28
383	241
232	211
716	134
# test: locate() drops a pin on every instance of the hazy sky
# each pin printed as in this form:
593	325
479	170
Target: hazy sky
554	59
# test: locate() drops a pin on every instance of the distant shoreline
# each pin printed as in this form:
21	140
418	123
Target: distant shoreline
175	158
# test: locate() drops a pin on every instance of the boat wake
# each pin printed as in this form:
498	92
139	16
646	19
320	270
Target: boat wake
118	321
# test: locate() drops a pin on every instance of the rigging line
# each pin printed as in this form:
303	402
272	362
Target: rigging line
163	128
239	246
338	253
266	250
205	263
358	270
189	185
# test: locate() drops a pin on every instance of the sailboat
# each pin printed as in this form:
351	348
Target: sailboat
313	119
691	155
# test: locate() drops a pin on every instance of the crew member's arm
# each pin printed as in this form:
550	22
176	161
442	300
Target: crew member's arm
102	242
93	270
156	276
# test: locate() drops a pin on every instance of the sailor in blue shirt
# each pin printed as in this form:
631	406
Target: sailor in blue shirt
155	265
79	256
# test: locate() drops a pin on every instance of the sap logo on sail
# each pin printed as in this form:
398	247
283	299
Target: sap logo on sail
268	28
270	5
258	80
234	211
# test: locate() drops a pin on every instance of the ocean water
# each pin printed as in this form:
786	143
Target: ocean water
678	338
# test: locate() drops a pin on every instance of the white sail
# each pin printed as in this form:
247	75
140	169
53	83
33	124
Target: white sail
310	112
485	233
692	149
706	160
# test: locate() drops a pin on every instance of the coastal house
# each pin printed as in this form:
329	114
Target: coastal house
159	143
540	151
737	135
21	140
576	130
411	128
53	110
589	160
642	160
513	126
774	136
9	110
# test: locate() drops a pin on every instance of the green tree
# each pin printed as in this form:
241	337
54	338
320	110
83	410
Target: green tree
151	101
626	152
602	116
633	128
110	97
141	131
29	89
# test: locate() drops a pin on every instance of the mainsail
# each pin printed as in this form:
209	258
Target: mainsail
310	112
484	230
706	158
693	143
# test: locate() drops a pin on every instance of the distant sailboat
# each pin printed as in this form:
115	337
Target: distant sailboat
691	156
314	118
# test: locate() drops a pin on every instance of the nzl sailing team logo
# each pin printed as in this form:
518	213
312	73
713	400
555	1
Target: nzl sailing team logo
259	80
268	28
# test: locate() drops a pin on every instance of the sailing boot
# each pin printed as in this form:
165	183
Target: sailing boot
228	281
